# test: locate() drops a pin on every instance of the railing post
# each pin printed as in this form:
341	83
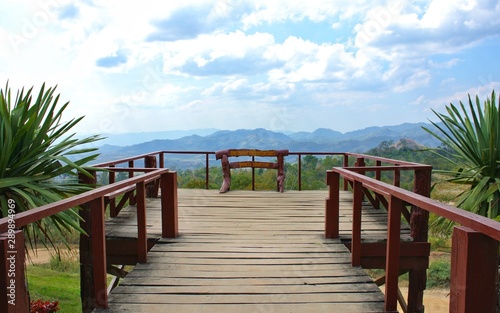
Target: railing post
98	238
346	164
474	272
169	213
112	202
253	174
360	162
152	187
162	159
357	203
207	171
299	171
13	289
332	205
419	226
378	176
131	200
142	238
397	177
392	254
86	266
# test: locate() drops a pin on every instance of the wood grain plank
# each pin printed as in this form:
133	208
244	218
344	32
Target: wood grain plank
248	251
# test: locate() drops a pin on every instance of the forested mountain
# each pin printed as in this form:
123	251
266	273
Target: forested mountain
317	141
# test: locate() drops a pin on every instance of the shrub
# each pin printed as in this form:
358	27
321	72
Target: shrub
438	275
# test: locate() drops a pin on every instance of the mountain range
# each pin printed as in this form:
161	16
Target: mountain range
320	140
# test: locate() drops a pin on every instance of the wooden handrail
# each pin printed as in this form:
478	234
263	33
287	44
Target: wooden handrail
477	231
36	214
482	224
93	200
346	156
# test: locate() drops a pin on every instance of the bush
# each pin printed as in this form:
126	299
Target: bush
438	275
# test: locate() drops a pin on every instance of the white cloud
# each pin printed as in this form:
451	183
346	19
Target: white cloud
133	58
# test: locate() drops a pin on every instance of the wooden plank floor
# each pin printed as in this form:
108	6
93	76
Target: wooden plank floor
247	251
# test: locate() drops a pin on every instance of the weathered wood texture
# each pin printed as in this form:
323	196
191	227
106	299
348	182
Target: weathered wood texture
279	165
248	252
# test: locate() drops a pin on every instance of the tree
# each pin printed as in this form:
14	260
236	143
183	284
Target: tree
471	135
40	162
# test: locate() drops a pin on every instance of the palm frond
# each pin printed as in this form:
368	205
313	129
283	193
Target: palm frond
473	134
37	151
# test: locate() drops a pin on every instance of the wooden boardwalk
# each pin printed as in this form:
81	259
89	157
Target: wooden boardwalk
247	251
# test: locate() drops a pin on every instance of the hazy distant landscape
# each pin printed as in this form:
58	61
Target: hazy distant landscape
320	140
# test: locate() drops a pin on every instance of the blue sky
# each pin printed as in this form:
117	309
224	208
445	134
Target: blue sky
292	65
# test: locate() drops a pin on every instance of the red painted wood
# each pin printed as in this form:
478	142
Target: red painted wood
393	246
24	218
113	212
419	225
13	289
357	202
332	205
482	224
131	199
142	238
473	279
345	165
397	178
98	238
85	246
169	208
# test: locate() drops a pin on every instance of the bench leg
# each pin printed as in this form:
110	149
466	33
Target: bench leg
226	174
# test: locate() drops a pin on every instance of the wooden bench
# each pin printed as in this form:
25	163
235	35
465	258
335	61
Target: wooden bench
279	165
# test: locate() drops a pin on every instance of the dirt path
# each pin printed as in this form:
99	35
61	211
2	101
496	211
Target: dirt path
435	300
41	256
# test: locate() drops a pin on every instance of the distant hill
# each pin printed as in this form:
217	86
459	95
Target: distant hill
128	139
320	140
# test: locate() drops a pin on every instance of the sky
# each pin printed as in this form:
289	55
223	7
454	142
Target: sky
283	65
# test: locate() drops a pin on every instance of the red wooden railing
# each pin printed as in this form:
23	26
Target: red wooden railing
479	232
474	259
94	207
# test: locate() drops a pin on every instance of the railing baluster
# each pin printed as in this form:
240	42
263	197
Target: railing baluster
299	170
169	213
112	203
142	238
392	254
98	237
473	279
207	171
346	164
13	289
332	205
131	199
357	203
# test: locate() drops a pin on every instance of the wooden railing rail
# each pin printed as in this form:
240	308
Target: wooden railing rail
474	248
356	159
94	201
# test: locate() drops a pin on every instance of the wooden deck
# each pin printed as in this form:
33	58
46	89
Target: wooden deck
248	251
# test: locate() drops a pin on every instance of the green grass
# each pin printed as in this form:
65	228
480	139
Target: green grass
48	284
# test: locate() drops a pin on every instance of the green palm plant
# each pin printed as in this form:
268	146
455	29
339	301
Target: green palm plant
40	161
471	135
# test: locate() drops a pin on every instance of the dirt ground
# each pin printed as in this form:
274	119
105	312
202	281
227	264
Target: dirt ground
435	300
40	256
